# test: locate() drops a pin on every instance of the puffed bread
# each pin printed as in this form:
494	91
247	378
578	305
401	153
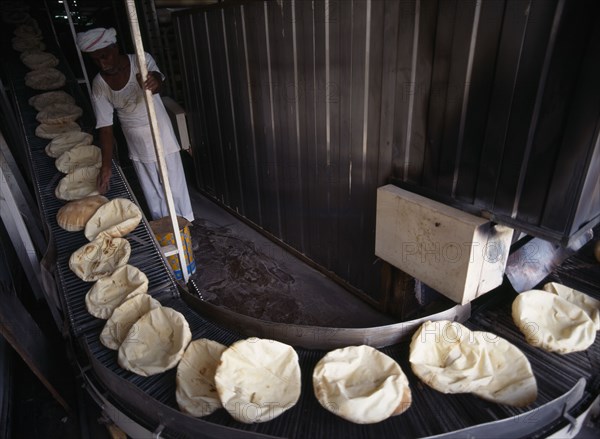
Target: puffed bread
66	141
361	384
196	391
124	317
73	216
116	218
112	290
258	379
99	258
155	343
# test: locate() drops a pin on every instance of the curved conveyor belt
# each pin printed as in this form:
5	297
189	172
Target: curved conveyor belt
150	402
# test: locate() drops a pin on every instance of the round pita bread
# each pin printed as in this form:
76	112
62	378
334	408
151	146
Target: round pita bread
155	343
196	391
590	305
80	183
41	101
552	323
15	16
47	131
115	219
81	156
21	44
28	29
258	379
361	384
99	258
36	60
73	216
110	291
66	141
59	113
450	358
124	317
45	79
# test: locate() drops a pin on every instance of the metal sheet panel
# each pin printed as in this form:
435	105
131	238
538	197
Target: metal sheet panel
301	109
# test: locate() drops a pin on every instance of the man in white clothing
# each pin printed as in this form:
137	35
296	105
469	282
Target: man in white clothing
118	87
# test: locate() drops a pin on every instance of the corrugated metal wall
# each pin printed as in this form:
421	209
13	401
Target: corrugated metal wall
299	110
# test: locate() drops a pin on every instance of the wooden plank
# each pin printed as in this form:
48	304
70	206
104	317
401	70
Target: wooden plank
158	147
27	339
457	254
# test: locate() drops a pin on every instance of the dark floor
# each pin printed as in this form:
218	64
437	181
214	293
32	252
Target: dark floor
242	270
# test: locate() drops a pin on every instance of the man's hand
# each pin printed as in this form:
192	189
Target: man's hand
103	182
152	83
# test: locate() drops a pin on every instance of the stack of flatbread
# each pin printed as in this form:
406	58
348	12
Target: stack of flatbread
57	111
78	184
36	60
41	101
557	318
361	384
66	141
28	35
74	215
258	379
450	358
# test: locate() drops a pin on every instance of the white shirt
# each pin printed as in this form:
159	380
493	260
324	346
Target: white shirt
133	115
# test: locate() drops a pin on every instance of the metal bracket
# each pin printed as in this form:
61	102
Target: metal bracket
528	423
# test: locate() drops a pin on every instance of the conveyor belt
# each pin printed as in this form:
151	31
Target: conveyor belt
152	399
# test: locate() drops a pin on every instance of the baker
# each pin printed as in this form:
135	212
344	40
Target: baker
117	87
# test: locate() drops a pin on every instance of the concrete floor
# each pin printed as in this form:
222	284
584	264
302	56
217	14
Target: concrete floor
241	269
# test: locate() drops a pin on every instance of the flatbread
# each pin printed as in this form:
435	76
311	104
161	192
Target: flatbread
590	305
81	156
15	17
73	216
124	317
258	379
361	384
66	141
196	391
78	184
59	113
99	258
41	101
552	323
115	219
21	44
39	60
45	79
450	358
155	343
112	290
28	29
47	131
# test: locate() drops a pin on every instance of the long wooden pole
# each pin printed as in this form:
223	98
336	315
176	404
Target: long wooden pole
158	147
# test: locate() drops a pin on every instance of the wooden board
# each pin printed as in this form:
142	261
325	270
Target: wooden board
457	254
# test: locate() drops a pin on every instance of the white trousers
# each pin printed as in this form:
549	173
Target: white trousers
150	181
